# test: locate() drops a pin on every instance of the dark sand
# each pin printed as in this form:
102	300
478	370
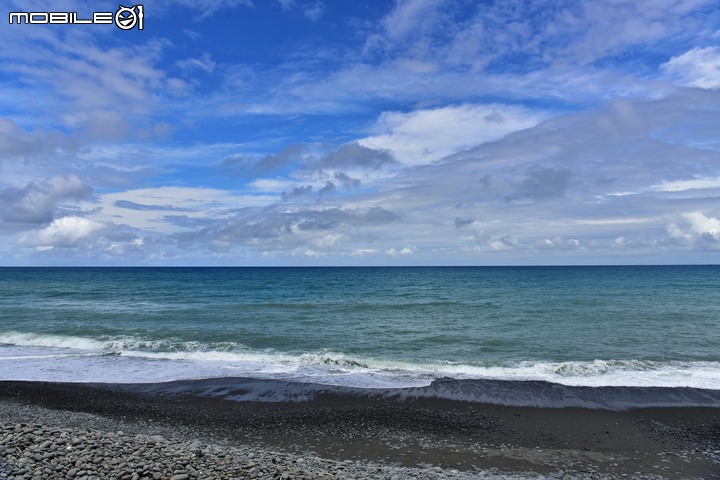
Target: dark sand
670	442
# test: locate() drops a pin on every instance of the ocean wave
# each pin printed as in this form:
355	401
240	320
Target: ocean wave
597	373
118	344
188	360
50	341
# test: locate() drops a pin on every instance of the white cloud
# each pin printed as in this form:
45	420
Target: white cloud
682	185
204	63
404	19
81	82
314	11
703	226
286	4
437	52
696	230
148	208
329	242
488	178
539	189
63	232
506	242
423	136
393	252
363	252
273	185
699	67
677	233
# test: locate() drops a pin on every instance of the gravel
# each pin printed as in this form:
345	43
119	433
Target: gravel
79	446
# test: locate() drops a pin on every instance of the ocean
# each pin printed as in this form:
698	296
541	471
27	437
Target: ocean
556	336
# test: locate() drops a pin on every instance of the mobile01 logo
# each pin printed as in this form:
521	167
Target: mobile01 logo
125	18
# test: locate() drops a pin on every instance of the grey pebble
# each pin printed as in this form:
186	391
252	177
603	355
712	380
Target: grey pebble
100	452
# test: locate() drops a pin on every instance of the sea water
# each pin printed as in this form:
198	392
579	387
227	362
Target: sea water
637	326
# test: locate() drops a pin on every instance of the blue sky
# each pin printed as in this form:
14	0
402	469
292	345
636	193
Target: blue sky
409	132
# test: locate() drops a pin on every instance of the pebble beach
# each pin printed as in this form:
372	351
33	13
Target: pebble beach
85	432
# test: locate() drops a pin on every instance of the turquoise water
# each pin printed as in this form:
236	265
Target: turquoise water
650	326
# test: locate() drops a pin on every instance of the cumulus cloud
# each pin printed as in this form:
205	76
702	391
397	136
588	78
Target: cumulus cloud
63	232
696	228
506	242
699	67
393	252
39	202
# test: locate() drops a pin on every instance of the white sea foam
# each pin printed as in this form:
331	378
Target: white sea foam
598	373
46	357
50	341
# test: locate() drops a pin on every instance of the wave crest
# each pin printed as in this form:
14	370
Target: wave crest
187	360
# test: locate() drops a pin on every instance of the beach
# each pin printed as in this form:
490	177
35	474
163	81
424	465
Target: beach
338	435
348	373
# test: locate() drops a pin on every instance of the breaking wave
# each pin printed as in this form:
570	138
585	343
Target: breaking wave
33	356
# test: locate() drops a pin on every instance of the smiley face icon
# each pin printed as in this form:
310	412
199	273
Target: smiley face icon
127	18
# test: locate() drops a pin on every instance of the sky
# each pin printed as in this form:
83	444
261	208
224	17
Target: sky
347	132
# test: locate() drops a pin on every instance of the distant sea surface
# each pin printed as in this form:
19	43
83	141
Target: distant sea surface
364	327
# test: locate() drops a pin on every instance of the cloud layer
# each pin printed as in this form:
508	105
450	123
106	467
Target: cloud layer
418	131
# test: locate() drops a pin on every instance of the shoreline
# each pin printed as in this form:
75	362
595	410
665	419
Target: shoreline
438	436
